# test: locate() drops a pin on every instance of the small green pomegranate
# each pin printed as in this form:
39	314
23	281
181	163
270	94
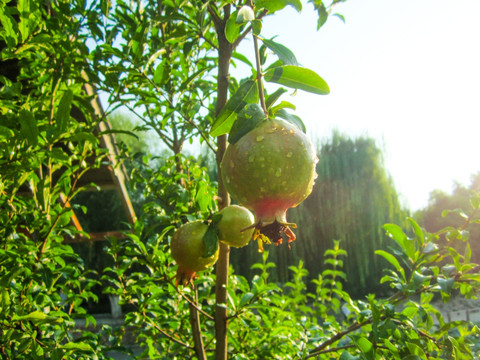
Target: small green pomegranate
187	248
236	226
269	170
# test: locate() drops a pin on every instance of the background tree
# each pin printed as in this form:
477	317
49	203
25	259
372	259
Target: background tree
444	209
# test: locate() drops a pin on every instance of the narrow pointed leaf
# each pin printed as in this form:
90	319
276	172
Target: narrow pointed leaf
291	118
247	120
392	260
275	5
29	127
297	77
242	58
271	99
63	110
237	103
232	29
210	240
286	56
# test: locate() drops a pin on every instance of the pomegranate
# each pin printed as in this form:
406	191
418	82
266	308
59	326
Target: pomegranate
269	170
235	226
187	247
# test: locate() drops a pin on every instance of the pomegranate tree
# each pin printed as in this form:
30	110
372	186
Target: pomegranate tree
188	250
269	170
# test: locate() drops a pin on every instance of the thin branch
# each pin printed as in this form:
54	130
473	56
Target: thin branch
259	76
338	336
210	317
196	329
217	21
248	29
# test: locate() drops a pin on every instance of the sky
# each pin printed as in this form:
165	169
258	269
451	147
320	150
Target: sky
405	72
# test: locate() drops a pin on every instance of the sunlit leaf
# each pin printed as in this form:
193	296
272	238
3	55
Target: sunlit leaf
63	110
419	236
366	347
416	350
275	5
247	120
210	240
340	16
291	118
29	127
446	284
286	56
272	98
235	104
242	58
297	77
232	28
392	260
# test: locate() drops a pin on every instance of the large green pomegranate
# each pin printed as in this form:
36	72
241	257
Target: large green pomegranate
269	170
187	248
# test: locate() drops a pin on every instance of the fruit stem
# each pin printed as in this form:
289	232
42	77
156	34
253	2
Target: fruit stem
261	93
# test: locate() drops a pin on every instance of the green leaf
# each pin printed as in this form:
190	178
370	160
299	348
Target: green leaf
282	105
366	347
275	5
272	98
322	14
158	75
419	236
232	28
446	284
347	356
37	316
340	16
81	346
246	299
29	127
10	27
24	10
286	56
256	27
6	132
210	240
245	14
235	104
242	58
63	111
297	77
416	350
246	121
291	118
392	260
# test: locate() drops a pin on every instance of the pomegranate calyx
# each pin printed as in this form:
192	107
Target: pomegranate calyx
272	232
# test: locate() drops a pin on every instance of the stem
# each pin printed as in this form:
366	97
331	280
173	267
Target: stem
225	50
196	330
261	93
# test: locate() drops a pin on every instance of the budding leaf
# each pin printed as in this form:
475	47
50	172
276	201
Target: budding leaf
245	14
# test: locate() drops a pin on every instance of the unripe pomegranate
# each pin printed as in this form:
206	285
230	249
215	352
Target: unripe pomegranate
235	227
187	247
269	170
